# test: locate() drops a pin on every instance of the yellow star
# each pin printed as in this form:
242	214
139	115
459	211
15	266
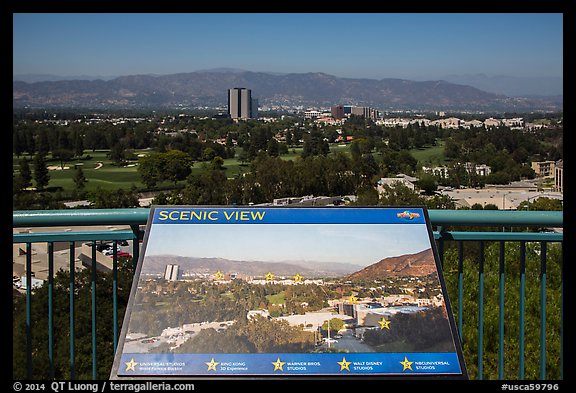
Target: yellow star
353	299
278	365
211	365
131	365
269	276
406	364
298	277
344	364
384	323
218	275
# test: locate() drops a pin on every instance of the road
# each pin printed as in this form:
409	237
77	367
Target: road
349	343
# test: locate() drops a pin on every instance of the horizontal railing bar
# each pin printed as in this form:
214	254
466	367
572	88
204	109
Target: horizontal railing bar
552	219
79	217
506	236
129	235
139	216
71	236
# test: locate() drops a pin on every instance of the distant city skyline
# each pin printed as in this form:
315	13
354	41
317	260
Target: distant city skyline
417	46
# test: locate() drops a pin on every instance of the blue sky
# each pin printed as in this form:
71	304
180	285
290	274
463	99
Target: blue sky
357	244
355	45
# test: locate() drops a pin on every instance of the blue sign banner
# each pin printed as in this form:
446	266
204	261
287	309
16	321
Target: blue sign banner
136	364
253	215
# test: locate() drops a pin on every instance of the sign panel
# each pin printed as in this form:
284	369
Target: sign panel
278	291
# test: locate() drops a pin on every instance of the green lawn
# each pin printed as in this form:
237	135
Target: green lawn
431	155
277	298
99	170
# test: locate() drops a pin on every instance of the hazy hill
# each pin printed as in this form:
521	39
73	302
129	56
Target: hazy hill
414	265
513	86
308	269
209	88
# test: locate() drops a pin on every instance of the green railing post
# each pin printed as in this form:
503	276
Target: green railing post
441	252
522	294
50	309
29	309
115	295
562	318
460	287
481	312
72	290
542	310
135	245
501	314
94	368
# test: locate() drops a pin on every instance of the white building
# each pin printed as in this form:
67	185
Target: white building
392	182
491	122
440	171
172	272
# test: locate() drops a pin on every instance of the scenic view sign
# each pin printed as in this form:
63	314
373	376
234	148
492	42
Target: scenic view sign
280	291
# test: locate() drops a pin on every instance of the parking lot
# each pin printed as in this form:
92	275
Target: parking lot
61	252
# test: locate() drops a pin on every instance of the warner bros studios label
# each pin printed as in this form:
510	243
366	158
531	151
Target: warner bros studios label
279	291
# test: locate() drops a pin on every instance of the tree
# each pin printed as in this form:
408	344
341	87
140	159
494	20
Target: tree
151	169
62	155
333	324
108	199
79	179
288	138
315	145
117	153
440	202
427	183
41	175
92	139
78	144
177	164
355	151
400	195
42	142
366	168
243	157
25	173
272	148
206	188
367	195
542	204
208	154
18	142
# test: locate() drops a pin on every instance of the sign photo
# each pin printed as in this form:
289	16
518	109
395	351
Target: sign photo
283	291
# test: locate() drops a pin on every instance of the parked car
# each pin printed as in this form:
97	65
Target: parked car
121	254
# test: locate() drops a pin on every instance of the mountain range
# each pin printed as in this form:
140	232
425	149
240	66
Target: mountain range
209	89
413	265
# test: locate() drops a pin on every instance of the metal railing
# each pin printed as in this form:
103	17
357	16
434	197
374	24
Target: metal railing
498	227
